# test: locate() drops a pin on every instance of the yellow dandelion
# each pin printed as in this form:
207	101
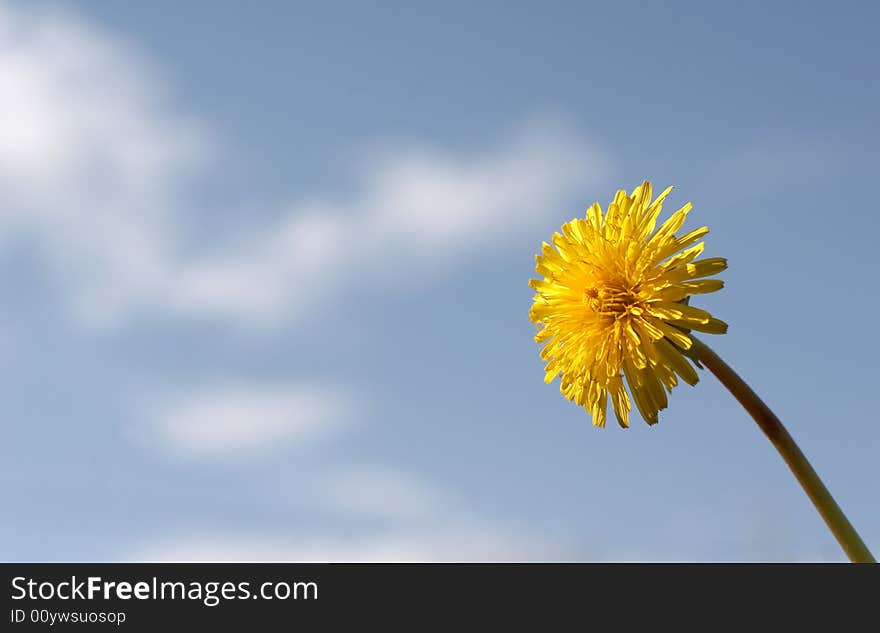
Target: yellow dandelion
612	303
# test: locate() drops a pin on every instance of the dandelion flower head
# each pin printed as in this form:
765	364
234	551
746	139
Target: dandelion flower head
612	304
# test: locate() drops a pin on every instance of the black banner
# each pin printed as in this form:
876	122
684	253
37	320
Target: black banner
142	596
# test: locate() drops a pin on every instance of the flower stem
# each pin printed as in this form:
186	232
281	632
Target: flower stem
837	522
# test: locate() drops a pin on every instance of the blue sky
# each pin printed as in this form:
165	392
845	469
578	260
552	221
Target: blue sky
266	276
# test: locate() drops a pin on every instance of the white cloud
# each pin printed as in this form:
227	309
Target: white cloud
422	523
462	543
386	492
89	157
240	421
93	162
416	209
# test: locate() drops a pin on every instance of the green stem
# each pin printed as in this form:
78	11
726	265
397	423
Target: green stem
840	526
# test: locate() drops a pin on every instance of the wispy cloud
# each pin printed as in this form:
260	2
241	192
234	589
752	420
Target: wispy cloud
475	543
422	523
90	158
238	421
94	175
385	492
94	169
416	208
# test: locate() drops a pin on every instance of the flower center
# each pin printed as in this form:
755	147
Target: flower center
612	299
